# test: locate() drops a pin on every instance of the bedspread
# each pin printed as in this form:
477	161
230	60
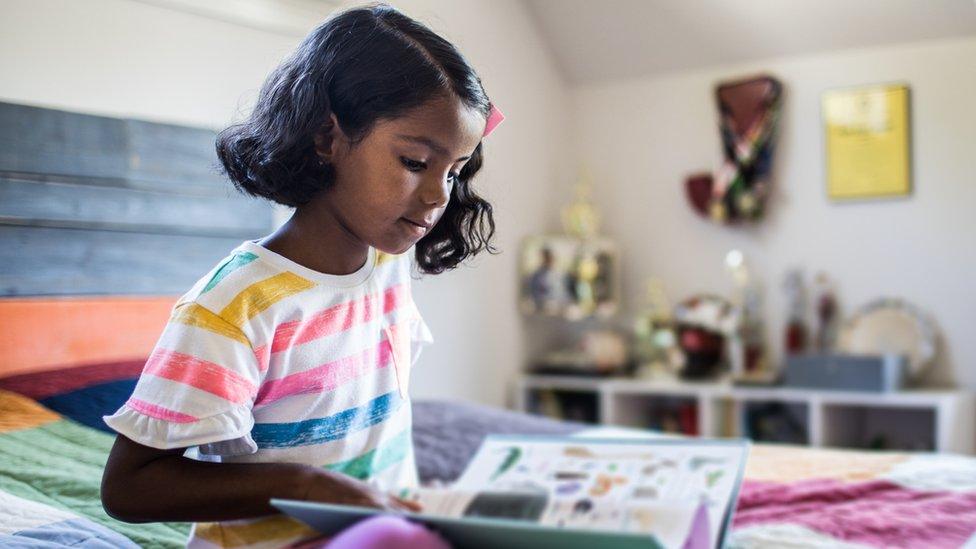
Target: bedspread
51	467
839	498
50	473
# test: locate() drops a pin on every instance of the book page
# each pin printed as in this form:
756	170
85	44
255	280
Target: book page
669	523
626	486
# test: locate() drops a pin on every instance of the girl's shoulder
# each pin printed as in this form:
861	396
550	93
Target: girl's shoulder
237	263
249	297
242	283
251	279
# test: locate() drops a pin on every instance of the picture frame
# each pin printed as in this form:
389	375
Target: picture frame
867	141
569	277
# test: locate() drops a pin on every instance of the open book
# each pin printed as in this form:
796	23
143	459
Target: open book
529	491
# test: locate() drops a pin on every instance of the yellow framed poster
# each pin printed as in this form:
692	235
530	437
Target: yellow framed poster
867	134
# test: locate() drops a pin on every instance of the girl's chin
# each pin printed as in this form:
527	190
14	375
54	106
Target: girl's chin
400	239
396	248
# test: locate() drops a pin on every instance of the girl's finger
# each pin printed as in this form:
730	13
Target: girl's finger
408	505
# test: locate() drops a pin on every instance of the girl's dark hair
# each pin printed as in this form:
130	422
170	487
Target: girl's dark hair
363	65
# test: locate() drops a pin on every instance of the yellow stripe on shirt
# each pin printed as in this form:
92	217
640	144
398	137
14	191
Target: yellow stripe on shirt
194	314
259	296
263	530
383	257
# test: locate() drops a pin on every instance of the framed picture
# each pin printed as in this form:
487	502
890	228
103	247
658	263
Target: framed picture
569	277
867	142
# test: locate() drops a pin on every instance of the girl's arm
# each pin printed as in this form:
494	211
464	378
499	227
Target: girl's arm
144	484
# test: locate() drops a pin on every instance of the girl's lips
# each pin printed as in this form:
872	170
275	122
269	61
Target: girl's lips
414	227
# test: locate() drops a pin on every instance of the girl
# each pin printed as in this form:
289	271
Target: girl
283	373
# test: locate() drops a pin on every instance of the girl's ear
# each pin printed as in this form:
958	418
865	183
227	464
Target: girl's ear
328	139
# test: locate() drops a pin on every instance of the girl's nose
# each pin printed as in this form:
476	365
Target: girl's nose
436	192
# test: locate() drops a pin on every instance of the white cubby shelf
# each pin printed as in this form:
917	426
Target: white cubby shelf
941	420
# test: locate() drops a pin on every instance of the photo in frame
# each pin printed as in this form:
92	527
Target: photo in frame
569	277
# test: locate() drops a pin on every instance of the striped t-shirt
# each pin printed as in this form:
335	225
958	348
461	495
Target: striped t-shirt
265	360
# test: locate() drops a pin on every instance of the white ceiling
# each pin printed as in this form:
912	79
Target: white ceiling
594	40
292	18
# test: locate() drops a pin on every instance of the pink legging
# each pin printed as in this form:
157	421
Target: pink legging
381	532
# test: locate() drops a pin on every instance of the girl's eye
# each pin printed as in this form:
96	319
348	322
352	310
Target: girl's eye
412	165
417	165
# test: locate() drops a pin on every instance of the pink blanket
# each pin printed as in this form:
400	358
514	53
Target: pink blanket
834	498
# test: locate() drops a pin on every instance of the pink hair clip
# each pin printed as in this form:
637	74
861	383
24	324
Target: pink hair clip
495	118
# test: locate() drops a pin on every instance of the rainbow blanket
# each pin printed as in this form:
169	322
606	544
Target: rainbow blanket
51	468
801	497
50	473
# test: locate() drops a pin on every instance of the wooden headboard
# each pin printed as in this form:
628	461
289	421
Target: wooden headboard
41	334
103	223
106	206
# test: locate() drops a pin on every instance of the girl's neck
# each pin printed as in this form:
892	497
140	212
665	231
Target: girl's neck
317	240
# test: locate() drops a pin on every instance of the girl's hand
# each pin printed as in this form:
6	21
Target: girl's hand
328	487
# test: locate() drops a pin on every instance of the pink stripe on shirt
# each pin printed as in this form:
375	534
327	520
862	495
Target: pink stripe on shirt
159	412
327	376
337	318
263	354
202	374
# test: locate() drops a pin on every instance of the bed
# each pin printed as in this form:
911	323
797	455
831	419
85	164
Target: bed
60	372
792	496
50	467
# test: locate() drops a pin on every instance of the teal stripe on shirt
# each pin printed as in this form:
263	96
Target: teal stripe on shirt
334	427
376	460
239	260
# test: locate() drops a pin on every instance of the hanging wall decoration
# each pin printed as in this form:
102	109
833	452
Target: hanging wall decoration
749	111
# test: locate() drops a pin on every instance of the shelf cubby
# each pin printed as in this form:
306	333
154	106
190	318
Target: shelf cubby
879	428
926	419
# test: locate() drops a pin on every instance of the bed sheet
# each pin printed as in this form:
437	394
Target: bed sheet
51	466
50	474
808	497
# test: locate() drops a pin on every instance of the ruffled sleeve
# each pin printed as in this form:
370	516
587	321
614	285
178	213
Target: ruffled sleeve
196	390
208	436
420	337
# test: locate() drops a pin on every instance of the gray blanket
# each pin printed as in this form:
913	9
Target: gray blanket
447	434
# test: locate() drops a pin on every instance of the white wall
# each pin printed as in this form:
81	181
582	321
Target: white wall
472	311
126	58
640	139
643	137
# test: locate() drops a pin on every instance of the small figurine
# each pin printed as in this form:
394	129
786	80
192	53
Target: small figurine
707	330
796	327
746	353
827	313
581	219
655	343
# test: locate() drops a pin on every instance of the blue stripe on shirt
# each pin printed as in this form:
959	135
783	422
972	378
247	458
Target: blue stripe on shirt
334	427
